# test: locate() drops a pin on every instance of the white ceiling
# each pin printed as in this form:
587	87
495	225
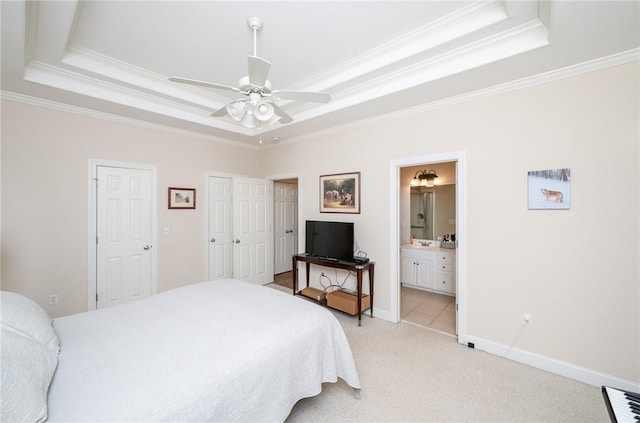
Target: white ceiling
373	57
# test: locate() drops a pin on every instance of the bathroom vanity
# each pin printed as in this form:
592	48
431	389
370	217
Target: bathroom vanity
428	267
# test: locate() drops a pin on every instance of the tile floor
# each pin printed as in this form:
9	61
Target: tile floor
435	311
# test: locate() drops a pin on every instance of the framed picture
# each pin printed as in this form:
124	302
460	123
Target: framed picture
340	193
182	198
550	189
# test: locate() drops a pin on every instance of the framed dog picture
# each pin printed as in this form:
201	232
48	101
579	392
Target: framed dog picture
550	189
340	193
182	198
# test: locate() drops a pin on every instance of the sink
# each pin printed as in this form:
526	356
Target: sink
424	245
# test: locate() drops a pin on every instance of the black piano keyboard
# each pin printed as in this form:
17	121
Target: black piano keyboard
622	406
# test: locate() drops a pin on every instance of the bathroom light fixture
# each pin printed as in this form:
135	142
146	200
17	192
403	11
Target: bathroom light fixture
425	178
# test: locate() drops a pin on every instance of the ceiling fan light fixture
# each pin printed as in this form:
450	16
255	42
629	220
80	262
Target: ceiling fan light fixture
259	108
248	121
236	110
264	111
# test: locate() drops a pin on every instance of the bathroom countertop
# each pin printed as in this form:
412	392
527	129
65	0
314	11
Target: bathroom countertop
429	248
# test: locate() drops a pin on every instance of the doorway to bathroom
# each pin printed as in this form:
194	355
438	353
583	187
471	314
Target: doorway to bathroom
427	260
444	272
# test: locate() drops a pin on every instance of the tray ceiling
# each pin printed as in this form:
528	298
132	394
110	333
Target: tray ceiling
374	58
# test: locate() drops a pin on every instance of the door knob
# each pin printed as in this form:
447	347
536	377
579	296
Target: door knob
146	247
213	240
237	241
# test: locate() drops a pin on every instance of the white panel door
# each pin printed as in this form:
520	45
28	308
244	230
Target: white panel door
123	235
220	228
253	230
285	228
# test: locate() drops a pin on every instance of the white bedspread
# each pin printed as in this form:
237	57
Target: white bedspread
215	351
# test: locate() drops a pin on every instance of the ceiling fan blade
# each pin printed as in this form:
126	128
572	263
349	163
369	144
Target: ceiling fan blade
258	71
220	112
303	96
284	117
203	84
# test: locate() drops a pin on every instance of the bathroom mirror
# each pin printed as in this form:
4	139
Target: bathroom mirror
433	211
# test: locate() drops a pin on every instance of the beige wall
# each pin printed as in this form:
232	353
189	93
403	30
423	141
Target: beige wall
45	188
576	271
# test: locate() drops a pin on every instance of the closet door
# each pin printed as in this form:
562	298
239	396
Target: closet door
220	228
123	243
253	230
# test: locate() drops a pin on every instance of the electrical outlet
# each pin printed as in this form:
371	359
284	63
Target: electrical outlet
187	273
53	299
527	319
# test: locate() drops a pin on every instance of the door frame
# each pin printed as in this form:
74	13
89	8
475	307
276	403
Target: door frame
92	249
461	228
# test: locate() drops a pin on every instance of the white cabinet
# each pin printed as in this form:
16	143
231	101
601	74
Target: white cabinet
417	268
445	272
429	269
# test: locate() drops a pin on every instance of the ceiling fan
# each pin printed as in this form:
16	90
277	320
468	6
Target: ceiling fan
258	107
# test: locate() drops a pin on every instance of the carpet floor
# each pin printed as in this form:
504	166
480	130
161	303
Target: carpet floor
412	374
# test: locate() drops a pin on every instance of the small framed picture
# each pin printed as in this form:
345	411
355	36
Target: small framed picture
182	198
550	189
340	193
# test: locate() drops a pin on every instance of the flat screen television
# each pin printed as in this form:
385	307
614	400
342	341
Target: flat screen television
331	240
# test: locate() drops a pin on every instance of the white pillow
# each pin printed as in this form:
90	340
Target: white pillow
29	351
27	370
26	316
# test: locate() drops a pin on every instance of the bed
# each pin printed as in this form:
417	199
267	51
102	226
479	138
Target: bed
224	350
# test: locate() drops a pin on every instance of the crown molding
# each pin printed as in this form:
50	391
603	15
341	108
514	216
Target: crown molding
448	28
566	72
54	105
99	64
53	76
522	38
543	78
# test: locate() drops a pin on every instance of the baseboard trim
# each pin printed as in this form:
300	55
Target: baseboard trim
552	365
379	314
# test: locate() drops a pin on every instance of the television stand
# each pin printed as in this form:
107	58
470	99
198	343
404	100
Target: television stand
357	268
328	259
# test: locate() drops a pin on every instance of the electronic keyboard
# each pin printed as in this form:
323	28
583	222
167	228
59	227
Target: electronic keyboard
622	406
